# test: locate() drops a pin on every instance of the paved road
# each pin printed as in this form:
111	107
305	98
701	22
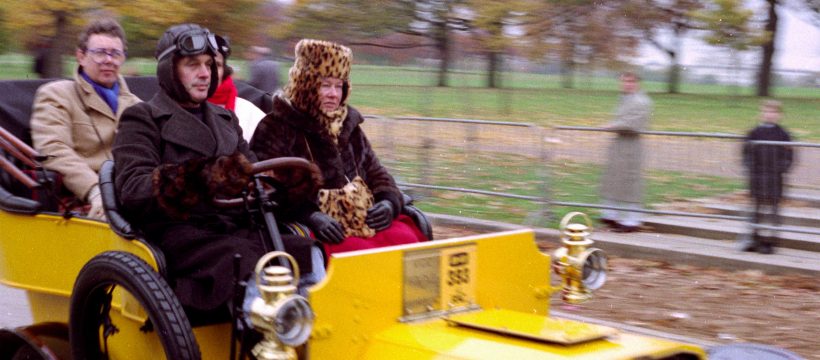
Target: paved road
13	307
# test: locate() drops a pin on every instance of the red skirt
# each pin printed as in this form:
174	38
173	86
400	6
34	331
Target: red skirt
402	231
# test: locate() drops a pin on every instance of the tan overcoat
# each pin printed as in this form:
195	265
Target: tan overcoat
75	128
622	179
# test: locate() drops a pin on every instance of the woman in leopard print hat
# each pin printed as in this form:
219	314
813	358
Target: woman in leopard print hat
360	206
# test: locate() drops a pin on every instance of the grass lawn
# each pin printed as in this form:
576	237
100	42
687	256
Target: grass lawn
552	107
517	175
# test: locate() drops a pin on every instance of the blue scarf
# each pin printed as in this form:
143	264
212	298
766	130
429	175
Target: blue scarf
110	96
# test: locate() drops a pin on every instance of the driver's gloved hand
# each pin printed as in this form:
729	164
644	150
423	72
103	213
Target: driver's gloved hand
380	215
178	187
227	175
326	228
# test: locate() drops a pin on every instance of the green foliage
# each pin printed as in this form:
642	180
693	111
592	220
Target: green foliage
727	24
5	39
143	20
346	20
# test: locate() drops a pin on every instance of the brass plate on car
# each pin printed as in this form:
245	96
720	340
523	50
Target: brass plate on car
531	326
439	279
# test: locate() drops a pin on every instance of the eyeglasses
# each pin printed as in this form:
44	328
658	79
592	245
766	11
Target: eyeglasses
99	56
192	42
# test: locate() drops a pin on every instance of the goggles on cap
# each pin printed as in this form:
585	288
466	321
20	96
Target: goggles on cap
223	46
192	42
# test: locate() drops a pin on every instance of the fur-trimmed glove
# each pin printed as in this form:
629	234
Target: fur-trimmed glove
227	175
295	186
178	187
380	215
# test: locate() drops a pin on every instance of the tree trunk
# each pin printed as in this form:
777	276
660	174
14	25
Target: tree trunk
674	73
443	45
53	62
493	60
567	74
764	75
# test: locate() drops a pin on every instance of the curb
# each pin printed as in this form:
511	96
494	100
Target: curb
661	247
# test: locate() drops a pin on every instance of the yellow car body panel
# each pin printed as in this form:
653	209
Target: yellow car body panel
360	309
438	340
364	309
43	254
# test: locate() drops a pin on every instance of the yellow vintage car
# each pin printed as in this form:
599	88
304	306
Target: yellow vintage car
98	290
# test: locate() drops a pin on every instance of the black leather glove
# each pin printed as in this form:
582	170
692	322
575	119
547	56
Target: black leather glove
326	228
380	215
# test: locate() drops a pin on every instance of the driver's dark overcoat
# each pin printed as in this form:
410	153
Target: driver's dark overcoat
199	249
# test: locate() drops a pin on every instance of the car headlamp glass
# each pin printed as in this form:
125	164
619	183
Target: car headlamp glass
293	320
593	269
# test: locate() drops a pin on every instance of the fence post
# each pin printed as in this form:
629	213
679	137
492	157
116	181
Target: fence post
426	161
544	211
387	140
470	137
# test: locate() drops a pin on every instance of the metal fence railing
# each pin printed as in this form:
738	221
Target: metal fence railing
523	173
443	161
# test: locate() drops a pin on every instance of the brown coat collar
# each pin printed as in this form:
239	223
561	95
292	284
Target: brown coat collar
213	136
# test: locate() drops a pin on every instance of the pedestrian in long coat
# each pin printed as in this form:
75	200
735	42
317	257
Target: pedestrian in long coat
622	183
766	165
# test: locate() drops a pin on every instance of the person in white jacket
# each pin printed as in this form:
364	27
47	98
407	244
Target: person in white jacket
226	94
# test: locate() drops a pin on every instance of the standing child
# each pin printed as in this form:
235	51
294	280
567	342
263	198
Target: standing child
766	164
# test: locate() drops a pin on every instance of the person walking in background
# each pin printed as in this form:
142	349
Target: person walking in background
264	72
766	164
73	122
226	94
622	182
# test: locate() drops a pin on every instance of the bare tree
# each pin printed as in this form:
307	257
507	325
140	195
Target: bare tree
433	21
580	32
764	74
664	24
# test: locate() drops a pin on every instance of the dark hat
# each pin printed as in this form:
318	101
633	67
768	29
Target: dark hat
223	45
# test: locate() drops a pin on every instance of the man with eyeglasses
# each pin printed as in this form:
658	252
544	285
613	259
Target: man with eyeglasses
177	151
73	122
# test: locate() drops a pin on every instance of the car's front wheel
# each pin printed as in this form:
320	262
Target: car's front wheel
91	325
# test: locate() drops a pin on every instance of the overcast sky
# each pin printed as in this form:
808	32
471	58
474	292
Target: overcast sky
798	46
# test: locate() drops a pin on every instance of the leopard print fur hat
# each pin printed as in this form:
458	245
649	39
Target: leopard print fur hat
316	59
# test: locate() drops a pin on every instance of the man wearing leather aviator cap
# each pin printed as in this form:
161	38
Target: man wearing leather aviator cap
173	154
73	122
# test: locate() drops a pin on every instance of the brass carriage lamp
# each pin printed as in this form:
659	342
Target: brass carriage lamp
581	267
283	317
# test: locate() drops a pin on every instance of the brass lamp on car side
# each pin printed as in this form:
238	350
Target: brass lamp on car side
284	318
582	268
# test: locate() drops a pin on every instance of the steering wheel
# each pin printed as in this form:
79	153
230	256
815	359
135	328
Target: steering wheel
295	176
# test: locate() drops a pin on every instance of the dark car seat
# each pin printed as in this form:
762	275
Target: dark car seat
116	221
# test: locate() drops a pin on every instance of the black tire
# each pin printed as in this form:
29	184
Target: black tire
90	300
